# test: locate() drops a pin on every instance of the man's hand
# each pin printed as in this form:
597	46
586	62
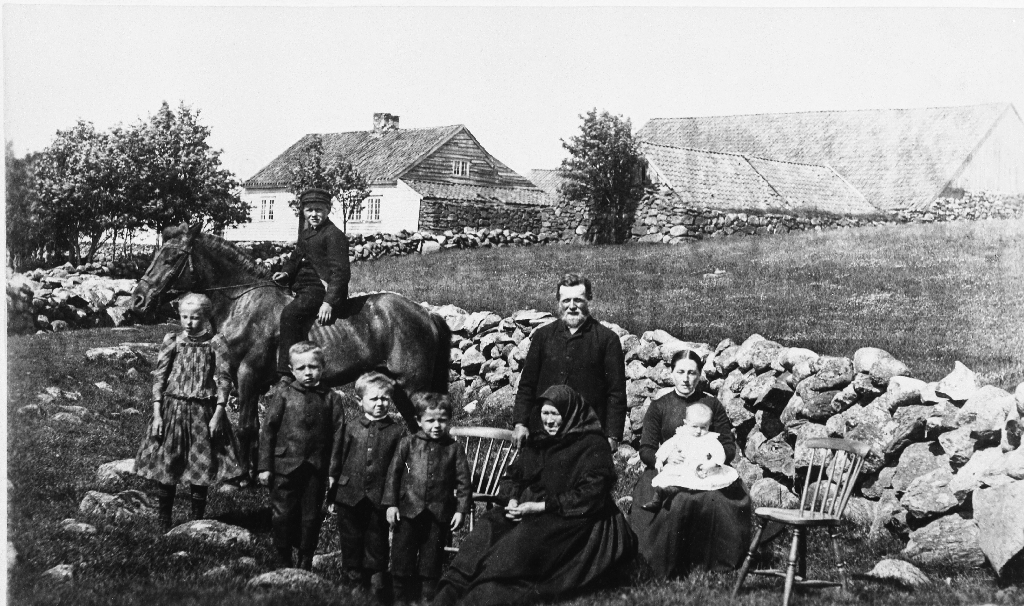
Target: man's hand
456	521
279	277
393	516
216	422
264	477
324	315
613	443
519	434
516	513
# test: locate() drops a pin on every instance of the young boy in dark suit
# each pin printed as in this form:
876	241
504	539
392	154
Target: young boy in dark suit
317	272
300	448
428	492
370	444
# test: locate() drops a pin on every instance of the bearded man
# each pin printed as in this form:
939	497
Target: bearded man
575	350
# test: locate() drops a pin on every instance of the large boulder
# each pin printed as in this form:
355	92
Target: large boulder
454	317
982	464
915	461
214	533
1000	520
874	427
807	431
872	516
774	455
127	506
481	321
898	571
951	540
959	385
830	373
501	399
985	413
764	392
797	355
119	353
725	360
289	579
748	472
929	495
816	406
768	492
959	444
885	370
743	356
763	354
113	474
901	391
865	357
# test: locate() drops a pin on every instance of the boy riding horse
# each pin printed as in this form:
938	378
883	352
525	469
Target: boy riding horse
317	272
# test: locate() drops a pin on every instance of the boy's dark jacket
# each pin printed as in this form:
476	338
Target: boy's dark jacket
326	249
303	425
366	456
429	475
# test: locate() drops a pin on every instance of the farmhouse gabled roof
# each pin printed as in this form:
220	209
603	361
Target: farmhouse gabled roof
896	158
479	193
734	182
381	157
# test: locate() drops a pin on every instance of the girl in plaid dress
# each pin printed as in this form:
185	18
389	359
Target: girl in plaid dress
189	438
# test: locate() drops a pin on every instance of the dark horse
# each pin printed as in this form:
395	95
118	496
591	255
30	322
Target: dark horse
384	332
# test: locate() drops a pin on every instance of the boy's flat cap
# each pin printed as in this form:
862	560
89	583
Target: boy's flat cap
315	194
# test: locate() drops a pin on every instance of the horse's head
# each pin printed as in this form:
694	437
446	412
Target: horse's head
172	269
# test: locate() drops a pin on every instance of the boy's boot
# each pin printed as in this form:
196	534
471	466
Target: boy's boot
306	560
165	504
429	588
380	587
653	506
284	557
199	494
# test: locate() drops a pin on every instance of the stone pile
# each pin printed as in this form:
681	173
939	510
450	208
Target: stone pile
935	447
972	206
67	297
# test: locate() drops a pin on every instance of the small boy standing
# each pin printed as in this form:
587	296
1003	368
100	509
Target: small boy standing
189	437
428	493
369	447
692	459
317	272
300	448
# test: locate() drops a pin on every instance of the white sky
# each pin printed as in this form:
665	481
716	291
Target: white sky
517	77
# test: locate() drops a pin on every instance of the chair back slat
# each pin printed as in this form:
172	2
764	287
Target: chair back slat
838	464
492	452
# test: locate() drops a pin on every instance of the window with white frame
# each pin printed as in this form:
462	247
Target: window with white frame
460	168
355	212
371	210
267	209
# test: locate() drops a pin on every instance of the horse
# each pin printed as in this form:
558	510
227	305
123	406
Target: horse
385	332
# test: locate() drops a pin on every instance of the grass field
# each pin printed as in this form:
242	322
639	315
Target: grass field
929	294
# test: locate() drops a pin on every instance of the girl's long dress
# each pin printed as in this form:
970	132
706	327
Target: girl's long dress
696	529
580	542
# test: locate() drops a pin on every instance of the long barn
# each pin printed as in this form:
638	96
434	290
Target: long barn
839	162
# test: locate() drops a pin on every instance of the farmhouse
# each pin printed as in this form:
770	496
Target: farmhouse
419	179
837	162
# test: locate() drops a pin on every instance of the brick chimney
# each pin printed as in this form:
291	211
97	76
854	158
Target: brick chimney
383	123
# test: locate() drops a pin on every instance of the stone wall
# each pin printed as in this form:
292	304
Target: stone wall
662	217
438	216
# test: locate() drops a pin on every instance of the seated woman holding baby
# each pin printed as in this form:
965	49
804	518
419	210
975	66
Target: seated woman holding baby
690	510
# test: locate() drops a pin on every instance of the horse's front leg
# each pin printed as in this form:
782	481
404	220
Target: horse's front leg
248	418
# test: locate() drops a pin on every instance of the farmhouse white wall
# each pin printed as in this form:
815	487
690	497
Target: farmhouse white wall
399	210
998	163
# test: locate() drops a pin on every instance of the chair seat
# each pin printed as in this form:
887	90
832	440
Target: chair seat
795	517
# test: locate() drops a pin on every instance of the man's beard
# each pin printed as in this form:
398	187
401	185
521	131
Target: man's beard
574	321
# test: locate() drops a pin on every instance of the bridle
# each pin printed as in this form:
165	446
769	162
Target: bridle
184	262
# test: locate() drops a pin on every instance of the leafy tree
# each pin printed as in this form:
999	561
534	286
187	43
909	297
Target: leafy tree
174	175
314	169
80	191
604	170
24	233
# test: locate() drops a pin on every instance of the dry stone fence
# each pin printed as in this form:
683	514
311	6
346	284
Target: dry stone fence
945	471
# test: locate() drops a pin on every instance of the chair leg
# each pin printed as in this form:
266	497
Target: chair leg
750	557
801	563
794	552
840	564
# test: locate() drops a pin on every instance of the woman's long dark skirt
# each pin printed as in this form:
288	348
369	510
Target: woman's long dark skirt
696	529
544	556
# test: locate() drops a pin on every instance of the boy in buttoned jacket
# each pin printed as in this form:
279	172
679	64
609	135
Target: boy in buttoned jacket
300	448
428	493
370	444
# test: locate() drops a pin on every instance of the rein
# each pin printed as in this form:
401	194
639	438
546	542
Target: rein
179	271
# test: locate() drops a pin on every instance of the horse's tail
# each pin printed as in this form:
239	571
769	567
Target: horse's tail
439	381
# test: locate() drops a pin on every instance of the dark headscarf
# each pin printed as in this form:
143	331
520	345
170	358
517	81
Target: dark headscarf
577	416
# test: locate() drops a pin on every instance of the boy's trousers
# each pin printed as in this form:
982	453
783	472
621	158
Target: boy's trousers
418	546
363	530
296	502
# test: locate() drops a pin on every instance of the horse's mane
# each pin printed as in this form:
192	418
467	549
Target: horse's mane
233	254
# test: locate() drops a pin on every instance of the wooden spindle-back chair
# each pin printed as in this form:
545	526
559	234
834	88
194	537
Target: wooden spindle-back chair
834	467
490	451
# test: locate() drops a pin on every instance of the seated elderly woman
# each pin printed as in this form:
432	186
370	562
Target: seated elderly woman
560	532
707	529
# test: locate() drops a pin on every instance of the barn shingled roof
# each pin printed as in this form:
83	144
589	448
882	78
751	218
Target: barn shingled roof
547	179
896	158
381	158
736	182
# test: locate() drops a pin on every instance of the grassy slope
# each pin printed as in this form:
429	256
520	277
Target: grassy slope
962	280
929	294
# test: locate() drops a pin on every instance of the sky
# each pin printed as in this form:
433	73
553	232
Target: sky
518	78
